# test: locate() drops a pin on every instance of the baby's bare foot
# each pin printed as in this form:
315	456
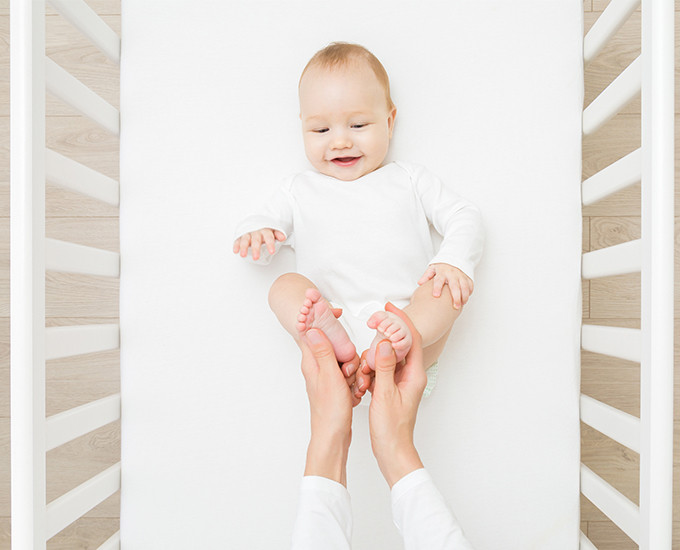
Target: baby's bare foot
393	328
316	313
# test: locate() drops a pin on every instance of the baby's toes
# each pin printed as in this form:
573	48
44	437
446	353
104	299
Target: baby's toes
375	320
313	295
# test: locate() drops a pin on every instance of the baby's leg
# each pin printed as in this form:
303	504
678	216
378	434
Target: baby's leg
433	318
299	306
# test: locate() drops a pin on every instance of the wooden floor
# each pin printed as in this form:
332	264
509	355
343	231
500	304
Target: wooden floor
75	299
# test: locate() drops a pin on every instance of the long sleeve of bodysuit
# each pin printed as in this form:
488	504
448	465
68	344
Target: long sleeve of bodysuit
275	213
456	219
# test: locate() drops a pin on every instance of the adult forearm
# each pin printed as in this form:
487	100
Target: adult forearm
327	457
397	463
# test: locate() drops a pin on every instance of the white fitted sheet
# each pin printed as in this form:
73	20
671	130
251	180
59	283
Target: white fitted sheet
215	417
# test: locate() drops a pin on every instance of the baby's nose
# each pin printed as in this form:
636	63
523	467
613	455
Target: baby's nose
341	140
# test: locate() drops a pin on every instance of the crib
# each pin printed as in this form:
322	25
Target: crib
34	521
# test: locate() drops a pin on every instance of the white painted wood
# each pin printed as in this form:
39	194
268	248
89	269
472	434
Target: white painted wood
621	342
112	543
79	339
68	173
27	273
585	543
77	258
623	173
613	260
611	20
66	509
656	369
86	20
64	86
624	513
613	98
620	426
68	425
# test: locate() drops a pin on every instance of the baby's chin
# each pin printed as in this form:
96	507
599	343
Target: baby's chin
345	173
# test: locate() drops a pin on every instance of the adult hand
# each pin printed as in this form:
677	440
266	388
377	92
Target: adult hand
396	395
330	403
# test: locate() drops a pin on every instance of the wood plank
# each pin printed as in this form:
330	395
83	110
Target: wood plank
84	141
619	52
87	533
75	53
79	460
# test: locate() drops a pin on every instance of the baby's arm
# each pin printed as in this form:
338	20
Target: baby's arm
255	239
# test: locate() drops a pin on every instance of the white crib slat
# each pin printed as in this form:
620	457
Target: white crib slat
611	20
113	543
86	20
76	258
68	425
624	343
613	504
66	509
620	426
79	339
70	174
614	97
585	543
72	91
613	260
623	173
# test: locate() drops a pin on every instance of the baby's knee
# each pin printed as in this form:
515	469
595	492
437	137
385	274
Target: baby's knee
287	284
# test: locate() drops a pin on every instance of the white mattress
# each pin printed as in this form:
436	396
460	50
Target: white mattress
215	416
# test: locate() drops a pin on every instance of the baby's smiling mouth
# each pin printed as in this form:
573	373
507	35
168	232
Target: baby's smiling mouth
345	161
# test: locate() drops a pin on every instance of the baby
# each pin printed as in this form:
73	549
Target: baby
359	227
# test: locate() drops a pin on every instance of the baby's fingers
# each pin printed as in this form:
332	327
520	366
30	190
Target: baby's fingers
269	240
279	235
455	288
429	273
257	243
439	282
244	244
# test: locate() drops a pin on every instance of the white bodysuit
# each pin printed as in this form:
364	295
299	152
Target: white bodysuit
366	242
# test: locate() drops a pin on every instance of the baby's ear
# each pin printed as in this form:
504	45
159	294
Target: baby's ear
390	120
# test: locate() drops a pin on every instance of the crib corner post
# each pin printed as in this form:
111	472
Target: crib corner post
27	273
656	376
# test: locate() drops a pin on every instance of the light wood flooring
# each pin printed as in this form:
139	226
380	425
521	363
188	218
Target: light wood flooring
73	299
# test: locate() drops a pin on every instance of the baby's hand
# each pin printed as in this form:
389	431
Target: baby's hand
255	239
460	285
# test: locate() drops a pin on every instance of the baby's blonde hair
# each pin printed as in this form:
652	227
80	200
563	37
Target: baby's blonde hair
341	54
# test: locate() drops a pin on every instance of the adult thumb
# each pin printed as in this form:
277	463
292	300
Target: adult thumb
385	365
321	347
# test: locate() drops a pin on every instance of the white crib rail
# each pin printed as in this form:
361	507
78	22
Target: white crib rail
32	435
650	524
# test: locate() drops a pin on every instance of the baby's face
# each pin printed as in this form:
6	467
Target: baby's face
346	123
